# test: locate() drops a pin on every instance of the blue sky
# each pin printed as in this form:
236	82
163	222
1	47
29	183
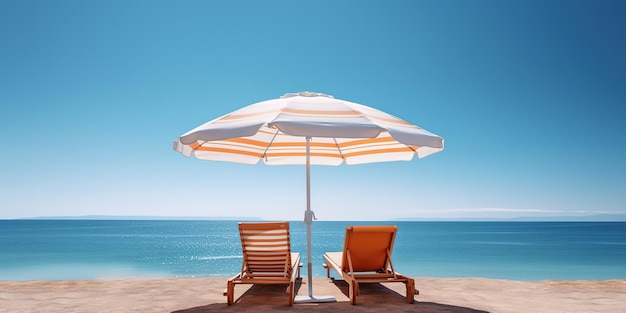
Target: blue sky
529	96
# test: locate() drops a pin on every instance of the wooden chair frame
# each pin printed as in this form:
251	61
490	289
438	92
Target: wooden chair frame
366	258
267	258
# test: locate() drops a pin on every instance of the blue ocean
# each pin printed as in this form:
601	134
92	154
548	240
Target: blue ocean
117	249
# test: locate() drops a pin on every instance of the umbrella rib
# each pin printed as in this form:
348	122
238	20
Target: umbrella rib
338	148
199	145
269	144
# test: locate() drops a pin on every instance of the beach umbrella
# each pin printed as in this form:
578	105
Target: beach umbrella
312	129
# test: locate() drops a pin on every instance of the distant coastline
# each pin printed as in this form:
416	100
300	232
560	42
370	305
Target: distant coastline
582	218
142	218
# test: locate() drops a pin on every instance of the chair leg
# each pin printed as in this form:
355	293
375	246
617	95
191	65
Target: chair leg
327	269
290	293
230	293
353	291
410	291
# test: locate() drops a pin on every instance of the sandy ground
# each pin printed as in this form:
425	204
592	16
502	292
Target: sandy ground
205	295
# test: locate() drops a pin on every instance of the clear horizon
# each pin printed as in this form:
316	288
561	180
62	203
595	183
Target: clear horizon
573	218
528	95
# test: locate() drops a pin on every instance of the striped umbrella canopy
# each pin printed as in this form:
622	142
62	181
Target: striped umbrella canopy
276	132
308	128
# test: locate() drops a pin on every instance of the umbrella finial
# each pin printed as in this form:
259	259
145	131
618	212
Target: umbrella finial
306	94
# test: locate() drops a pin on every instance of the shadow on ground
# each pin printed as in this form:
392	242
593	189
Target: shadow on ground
373	298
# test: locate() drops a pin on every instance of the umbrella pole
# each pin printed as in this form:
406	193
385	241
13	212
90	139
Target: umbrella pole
308	216
308	219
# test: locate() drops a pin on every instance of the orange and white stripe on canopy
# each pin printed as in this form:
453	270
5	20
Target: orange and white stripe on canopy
275	131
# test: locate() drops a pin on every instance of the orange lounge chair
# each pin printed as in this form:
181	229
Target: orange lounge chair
267	258
366	258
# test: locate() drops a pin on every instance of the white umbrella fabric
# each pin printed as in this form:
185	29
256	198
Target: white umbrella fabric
308	128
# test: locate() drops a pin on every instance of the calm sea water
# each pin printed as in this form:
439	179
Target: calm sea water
93	249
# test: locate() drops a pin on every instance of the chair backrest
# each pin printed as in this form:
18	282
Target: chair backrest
369	248
266	247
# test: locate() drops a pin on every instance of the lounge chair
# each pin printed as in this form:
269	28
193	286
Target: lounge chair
366	258
267	258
